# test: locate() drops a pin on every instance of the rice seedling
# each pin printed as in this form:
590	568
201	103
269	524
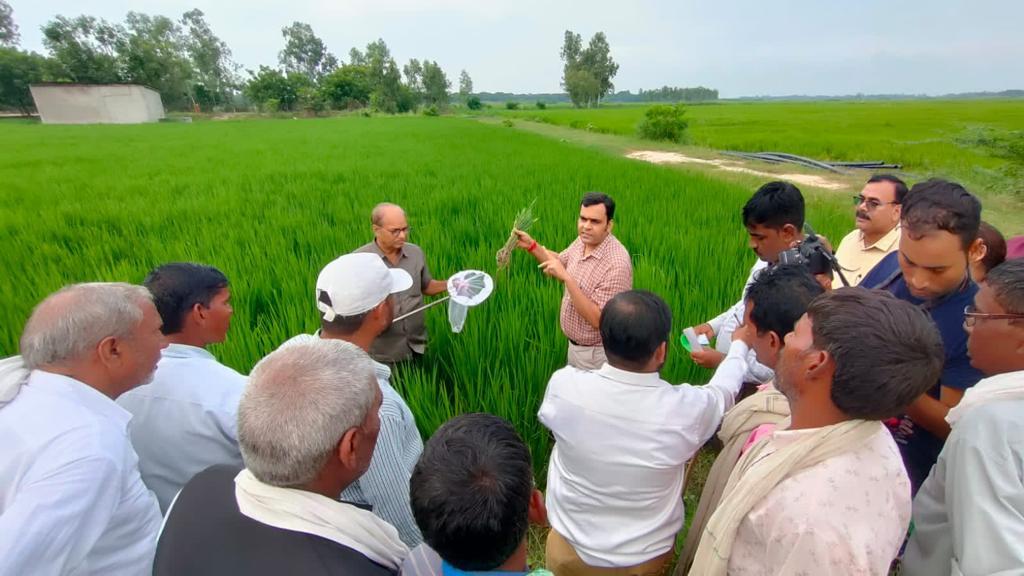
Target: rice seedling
523	222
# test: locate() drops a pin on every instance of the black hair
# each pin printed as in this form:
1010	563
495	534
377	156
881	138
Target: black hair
899	185
341	325
887	352
995	245
1007	283
780	296
470	491
774	205
633	325
178	286
942	205
592	198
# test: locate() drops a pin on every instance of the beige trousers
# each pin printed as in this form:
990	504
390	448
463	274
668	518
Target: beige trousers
563	560
586	357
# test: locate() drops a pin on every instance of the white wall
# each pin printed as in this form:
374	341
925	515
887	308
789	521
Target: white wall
97	104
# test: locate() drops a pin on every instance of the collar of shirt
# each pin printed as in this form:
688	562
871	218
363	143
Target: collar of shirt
84	395
376	249
382	371
646	379
186	351
883	244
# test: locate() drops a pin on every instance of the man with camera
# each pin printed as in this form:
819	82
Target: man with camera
774	219
878	208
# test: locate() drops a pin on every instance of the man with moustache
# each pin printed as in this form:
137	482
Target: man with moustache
878	228
938	240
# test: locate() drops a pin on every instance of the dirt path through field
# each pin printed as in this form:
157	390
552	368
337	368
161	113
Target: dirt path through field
656	157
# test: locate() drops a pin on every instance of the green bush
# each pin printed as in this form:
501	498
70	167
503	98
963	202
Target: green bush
541	105
664	122
507	123
512	105
271	105
474	103
430	110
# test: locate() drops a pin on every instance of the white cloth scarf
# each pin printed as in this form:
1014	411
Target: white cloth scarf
748	485
316	514
1008	386
13	376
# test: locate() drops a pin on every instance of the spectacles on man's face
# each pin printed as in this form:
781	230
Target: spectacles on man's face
971	316
872	204
396	232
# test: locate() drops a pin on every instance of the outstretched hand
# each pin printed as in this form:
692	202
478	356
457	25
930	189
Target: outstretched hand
524	241
707	358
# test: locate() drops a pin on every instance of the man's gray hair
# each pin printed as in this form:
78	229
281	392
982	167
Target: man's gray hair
70	323
377	215
300	401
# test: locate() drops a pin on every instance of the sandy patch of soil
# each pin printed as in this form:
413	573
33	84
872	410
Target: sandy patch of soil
655	157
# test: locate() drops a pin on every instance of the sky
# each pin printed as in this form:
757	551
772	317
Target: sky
740	47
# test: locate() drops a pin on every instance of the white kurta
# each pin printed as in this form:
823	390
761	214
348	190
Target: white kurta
71	498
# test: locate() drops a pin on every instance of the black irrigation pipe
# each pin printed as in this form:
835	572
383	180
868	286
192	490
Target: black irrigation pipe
782	157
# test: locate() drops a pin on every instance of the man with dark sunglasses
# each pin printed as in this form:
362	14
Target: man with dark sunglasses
877	213
938	240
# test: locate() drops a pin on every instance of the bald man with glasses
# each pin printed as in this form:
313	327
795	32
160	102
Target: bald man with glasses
405	339
877	234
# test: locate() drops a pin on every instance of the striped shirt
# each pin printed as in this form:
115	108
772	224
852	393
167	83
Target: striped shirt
385	485
602	274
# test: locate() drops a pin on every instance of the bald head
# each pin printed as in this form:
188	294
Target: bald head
386	211
70	324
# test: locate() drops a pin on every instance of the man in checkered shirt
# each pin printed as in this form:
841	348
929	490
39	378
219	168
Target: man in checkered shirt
594	268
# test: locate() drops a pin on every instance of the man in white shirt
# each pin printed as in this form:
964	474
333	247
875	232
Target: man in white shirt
71	498
828	494
354	297
969	513
774	219
622	439
878	208
186	419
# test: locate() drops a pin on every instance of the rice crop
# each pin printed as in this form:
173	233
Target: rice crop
270	202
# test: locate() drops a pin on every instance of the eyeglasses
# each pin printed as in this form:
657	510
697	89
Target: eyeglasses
871	203
971	316
396	232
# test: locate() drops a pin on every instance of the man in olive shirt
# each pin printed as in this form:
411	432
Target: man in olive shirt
405	338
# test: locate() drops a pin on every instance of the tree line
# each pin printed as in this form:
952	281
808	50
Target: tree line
192	68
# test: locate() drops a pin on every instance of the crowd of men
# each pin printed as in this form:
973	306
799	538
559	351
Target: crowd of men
859	426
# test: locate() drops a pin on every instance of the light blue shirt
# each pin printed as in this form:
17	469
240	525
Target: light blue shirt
71	500
186	420
385	485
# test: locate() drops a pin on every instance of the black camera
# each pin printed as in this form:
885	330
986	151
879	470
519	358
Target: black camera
814	255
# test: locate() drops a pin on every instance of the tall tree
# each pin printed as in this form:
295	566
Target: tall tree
305	53
465	84
587	73
8	29
414	75
153	53
435	84
84	48
598	61
356	58
214	73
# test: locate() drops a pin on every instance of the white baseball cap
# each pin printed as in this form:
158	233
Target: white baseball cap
357	283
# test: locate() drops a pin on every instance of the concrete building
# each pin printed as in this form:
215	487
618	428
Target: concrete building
96	103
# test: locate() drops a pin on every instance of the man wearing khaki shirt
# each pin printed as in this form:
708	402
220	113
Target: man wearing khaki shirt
878	228
594	268
406	338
